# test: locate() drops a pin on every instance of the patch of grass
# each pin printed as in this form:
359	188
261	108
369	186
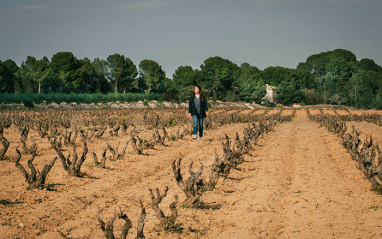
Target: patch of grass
9	172
197	232
90	165
7	223
177	229
250	209
377	188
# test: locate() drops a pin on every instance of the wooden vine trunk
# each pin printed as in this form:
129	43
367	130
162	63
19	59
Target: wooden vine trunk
35	179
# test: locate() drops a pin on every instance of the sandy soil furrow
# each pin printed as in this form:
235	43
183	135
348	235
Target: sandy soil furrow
258	190
329	195
298	185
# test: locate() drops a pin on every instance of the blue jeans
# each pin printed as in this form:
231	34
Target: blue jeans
197	120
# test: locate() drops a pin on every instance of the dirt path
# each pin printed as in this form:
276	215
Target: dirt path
300	183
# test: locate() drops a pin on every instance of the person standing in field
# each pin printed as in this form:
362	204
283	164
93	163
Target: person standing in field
198	110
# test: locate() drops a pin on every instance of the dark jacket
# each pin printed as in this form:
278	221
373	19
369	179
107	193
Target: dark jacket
203	107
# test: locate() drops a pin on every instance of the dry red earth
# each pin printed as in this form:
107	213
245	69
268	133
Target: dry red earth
298	182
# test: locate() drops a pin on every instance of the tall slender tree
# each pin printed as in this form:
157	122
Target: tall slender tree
8	79
27	74
122	73
100	75
64	66
153	75
251	86
219	74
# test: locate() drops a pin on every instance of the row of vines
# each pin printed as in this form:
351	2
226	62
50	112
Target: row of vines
366	153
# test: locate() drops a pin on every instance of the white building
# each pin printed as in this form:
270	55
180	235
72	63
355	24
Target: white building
271	95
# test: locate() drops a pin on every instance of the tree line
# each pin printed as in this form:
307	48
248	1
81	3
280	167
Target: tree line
333	77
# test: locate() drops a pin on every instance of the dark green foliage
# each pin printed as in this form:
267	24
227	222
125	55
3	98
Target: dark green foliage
184	76
317	64
123	73
154	77
64	66
333	77
251	87
100	83
275	75
338	75
7	79
289	93
218	75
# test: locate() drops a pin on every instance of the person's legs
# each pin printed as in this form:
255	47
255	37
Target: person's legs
195	125
200	127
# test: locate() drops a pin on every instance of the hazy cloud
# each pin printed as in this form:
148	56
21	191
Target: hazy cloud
138	5
352	2
30	7
274	2
18	13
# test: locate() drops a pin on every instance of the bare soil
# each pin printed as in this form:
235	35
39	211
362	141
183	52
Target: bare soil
298	182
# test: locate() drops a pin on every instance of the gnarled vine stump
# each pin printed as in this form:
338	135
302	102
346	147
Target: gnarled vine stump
108	228
71	166
5	144
193	187
164	222
114	152
102	162
35	179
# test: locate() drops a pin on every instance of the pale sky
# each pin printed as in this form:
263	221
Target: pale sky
186	32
